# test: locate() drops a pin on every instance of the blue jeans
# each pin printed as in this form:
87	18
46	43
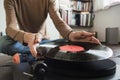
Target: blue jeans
10	47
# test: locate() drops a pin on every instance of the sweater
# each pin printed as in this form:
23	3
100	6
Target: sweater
30	16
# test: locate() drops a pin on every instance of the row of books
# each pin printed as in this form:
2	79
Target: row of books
79	19
83	19
81	6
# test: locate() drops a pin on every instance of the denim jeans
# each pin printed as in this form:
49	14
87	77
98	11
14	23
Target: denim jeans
10	47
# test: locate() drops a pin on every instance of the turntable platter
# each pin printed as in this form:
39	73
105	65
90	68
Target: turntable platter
81	54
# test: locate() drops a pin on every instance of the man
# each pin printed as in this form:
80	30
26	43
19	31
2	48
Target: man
30	16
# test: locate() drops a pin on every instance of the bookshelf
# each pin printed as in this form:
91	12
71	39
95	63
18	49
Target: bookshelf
79	13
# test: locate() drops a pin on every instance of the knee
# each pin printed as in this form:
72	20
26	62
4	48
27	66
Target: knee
10	47
4	42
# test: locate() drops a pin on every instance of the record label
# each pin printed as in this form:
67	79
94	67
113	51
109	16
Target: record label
71	48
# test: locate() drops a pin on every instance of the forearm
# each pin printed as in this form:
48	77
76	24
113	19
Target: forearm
15	34
11	22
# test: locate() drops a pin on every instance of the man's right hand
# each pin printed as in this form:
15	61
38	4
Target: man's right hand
33	40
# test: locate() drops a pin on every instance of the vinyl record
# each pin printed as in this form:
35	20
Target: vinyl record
81	59
77	52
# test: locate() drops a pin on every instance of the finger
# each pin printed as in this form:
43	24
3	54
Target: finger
89	39
83	35
32	48
83	40
95	40
87	34
33	52
92	40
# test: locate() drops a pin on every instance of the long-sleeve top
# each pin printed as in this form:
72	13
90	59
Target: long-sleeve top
30	16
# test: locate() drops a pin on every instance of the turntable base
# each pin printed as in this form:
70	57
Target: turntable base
115	76
83	69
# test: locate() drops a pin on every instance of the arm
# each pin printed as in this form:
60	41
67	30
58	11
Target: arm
32	39
11	22
65	30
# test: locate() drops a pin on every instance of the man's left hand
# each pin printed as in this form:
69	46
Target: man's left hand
83	36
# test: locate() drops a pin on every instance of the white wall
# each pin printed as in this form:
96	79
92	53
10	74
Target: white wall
2	17
52	31
107	18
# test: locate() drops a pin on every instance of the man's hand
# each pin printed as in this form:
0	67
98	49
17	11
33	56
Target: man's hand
83	36
33	40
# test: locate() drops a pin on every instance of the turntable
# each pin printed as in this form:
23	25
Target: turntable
77	59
